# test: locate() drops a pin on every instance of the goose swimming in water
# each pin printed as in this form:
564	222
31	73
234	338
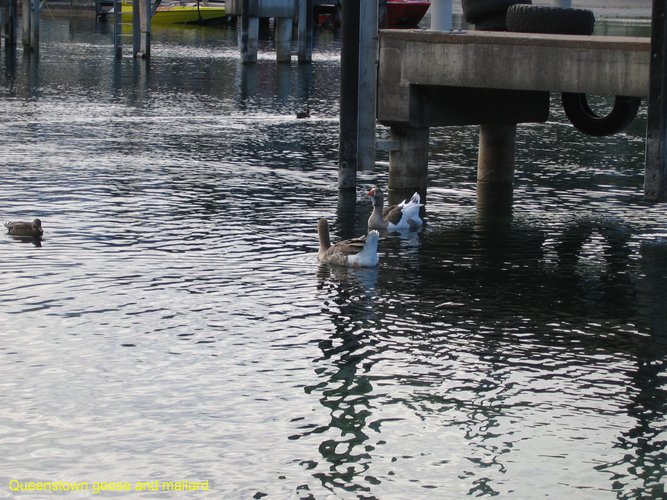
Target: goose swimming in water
25	229
357	252
404	216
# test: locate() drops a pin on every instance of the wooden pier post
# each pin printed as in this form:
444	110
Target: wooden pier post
655	176
283	34
495	167
408	163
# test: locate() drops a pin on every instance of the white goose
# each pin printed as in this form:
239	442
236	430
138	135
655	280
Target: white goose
357	252
404	216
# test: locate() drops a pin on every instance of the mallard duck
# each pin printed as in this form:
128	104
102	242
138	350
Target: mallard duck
404	216
25	229
357	252
304	113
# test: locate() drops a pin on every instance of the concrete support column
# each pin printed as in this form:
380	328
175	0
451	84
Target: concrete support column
283	34
408	163
495	166
655	175
441	15
249	38
305	36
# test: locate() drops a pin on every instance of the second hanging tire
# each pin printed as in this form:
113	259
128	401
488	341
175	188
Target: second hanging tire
554	20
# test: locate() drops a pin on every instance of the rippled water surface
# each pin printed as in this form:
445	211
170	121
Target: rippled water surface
174	323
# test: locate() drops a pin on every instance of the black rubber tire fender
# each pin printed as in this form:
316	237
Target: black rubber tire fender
474	10
496	22
589	122
554	20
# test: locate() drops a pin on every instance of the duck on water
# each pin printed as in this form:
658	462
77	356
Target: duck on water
25	229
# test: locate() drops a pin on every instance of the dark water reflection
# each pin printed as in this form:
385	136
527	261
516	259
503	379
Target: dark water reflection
174	324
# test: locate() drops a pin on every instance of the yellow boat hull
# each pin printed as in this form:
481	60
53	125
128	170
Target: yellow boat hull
180	14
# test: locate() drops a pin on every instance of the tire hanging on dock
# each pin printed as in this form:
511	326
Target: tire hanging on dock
586	120
477	10
555	20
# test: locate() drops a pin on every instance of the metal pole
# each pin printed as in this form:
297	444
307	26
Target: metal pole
368	49
305	42
349	76
655	175
441	15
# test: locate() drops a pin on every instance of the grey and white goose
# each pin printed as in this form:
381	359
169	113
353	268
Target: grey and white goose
356	252
401	217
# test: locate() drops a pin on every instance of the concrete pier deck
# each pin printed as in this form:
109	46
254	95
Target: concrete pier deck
415	61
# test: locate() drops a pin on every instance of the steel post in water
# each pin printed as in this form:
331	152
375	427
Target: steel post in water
495	166
25	22
349	76
367	86
248	35
408	163
655	175
441	15
283	34
305	31
34	25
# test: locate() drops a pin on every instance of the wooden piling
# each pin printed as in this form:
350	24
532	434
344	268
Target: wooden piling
655	176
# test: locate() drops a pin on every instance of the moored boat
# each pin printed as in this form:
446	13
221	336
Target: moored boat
182	13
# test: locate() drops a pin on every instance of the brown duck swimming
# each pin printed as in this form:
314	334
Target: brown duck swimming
25	229
357	252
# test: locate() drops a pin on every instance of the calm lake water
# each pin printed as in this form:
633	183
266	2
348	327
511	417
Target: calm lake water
175	325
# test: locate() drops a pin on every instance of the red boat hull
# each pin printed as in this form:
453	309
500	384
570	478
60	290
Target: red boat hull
405	13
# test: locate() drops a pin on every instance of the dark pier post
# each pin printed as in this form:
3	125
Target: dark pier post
495	167
30	13
305	31
8	21
655	178
141	28
358	89
349	76
408	163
